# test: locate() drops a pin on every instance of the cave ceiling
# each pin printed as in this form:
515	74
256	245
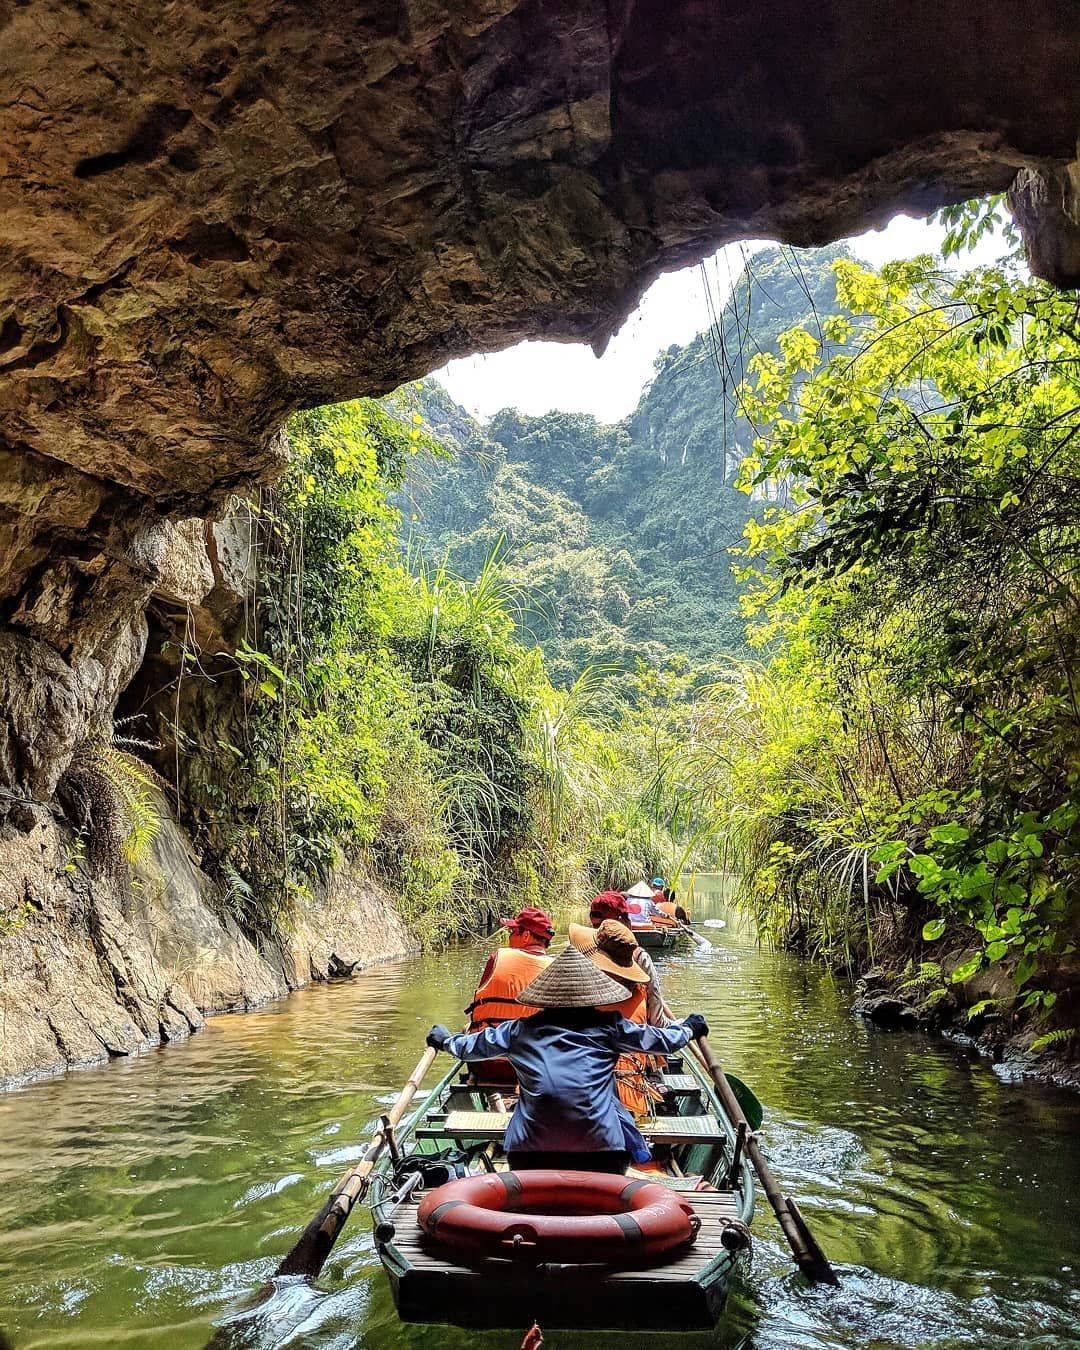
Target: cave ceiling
213	213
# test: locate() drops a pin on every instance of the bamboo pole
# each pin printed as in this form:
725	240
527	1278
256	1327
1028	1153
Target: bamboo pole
308	1255
809	1257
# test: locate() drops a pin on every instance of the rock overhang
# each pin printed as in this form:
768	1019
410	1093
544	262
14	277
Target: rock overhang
214	213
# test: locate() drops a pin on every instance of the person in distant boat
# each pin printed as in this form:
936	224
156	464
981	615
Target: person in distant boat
643	909
509	969
612	948
568	1114
665	902
612	905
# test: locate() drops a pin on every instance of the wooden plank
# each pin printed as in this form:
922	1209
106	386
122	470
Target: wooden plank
680	1082
491	1125
683	1271
681	1129
662	1179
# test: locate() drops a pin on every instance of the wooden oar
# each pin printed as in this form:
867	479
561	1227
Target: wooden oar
701	942
809	1257
312	1248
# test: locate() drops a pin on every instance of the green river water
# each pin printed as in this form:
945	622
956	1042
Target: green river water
141	1201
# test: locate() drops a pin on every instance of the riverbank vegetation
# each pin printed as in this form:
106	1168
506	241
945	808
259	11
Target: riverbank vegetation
897	778
510	671
887	751
396	721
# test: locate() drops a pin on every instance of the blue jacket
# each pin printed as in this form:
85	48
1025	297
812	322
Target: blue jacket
565	1063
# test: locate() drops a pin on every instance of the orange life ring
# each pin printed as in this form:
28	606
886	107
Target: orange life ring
573	1217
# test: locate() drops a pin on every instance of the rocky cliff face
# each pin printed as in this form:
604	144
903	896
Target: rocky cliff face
94	969
97	963
213	213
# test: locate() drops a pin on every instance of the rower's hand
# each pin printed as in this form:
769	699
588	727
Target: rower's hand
697	1025
437	1037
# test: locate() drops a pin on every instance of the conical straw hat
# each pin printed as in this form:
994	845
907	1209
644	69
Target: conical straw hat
610	947
642	891
571	981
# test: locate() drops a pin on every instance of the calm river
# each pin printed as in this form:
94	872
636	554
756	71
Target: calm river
141	1201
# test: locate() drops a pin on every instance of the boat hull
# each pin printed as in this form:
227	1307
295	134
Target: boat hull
562	1297
684	1290
657	939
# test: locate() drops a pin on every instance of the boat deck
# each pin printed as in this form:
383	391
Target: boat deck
500	1293
490	1126
685	1290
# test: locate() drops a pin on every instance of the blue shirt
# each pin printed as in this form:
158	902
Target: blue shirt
565	1063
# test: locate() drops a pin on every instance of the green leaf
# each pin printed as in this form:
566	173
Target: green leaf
933	930
966	969
1025	968
950	833
996	951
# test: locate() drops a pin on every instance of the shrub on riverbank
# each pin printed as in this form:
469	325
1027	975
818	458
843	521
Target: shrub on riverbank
394	719
903	771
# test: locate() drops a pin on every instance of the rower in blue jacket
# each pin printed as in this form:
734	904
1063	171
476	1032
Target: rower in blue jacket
568	1114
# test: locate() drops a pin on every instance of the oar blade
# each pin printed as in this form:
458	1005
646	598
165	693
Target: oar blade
308	1254
752	1109
815	1264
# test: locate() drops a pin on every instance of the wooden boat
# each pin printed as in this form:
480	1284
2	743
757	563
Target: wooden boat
659	939
684	1290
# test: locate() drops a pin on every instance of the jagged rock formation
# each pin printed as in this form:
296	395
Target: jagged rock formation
103	969
213	213
95	964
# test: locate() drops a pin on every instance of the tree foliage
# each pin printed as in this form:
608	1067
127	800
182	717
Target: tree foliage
624	530
395	720
914	745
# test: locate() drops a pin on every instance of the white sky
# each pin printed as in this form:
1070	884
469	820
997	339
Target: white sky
539	376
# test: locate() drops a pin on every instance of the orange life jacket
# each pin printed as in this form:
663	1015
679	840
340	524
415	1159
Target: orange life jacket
630	1080
495	1000
667	907
632	1007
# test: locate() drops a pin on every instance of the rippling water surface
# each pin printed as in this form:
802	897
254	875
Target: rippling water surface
141	1202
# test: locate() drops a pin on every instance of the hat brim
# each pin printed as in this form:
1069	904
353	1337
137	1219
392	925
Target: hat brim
584	939
512	926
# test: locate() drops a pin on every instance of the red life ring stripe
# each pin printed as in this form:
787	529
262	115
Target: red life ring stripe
574	1217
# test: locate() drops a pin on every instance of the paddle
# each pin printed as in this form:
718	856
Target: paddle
809	1257
701	942
309	1254
751	1107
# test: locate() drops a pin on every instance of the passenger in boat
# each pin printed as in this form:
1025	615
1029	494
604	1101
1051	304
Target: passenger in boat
568	1114
612	948
665	902
643	909
509	969
611	905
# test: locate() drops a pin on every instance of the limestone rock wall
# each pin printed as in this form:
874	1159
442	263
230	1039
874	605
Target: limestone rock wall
89	971
212	213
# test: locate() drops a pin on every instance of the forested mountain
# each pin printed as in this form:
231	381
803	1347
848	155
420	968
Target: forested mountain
623	531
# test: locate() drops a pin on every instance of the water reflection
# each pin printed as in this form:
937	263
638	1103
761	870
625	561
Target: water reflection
142	1202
